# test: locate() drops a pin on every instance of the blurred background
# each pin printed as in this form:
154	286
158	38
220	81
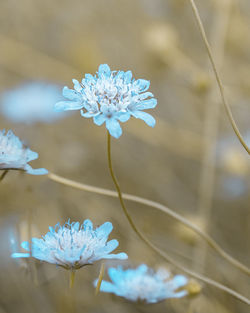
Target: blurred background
191	161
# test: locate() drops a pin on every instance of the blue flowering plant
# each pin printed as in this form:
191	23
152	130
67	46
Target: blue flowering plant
72	245
14	155
30	103
143	284
110	97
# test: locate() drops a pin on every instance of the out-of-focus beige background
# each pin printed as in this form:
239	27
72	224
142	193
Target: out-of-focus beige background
191	161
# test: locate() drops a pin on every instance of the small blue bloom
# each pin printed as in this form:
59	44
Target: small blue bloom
110	97
15	156
143	284
73	245
31	103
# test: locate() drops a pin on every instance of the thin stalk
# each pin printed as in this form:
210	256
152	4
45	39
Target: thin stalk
211	127
72	275
158	206
217	76
5	172
156	249
100	278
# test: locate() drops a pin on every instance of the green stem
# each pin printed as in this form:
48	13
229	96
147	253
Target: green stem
3	175
111	193
100	278
72	278
217	76
157	250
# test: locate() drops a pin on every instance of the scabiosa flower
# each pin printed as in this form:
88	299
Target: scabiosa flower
15	156
110	97
143	284
73	245
31	102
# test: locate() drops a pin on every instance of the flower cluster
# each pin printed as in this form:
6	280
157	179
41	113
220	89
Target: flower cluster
73	245
110	97
142	284
31	103
14	155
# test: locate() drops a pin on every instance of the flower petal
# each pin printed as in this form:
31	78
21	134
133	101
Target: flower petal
99	119
37	171
104	230
68	105
20	255
147	118
142	84
104	70
119	256
71	94
113	127
77	85
106	286
147	104
88	225
124	117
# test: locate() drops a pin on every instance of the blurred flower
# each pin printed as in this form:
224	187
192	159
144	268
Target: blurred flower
73	245
110	97
143	284
15	156
31	103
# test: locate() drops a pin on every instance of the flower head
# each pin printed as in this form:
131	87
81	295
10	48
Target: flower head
31	103
143	284
14	155
73	245
110	97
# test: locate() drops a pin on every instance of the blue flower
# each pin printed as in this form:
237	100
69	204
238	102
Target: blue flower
110	97
31	103
144	285
73	245
15	156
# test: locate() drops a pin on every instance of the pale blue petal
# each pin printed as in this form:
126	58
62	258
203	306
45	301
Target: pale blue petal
99	119
147	104
25	245
127	77
71	94
37	171
31	155
142	269
20	255
87	114
145	95
104	70
147	118
114	127
109	247
75	226
119	256
90	78
179	281
77	85
142	84
88	225
106	286
124	117
68	105
116	275
104	230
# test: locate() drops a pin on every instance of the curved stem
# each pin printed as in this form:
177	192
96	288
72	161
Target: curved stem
156	249
156	205
100	278
5	172
217	76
